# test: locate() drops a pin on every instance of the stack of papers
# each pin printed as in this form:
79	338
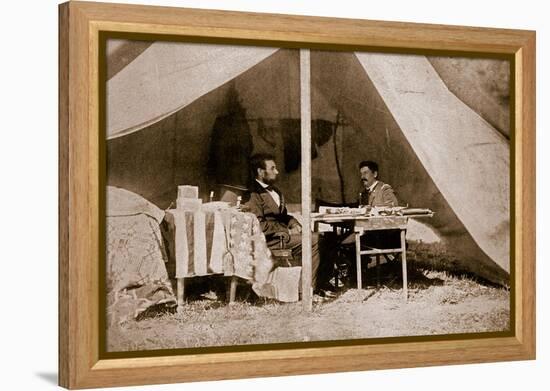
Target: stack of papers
339	211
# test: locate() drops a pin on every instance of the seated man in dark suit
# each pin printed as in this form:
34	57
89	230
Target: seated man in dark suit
268	204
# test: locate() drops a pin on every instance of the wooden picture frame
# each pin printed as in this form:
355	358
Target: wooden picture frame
80	160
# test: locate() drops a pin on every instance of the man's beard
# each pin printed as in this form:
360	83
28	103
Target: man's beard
268	181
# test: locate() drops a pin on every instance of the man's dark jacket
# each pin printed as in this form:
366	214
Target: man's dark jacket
272	218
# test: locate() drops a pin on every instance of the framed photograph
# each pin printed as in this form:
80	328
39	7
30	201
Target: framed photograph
246	195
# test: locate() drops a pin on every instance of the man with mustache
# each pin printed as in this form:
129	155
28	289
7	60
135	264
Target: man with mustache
375	192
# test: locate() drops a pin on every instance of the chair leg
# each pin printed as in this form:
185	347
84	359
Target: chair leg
336	274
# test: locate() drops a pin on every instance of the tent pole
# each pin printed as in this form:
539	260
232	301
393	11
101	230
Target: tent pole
305	118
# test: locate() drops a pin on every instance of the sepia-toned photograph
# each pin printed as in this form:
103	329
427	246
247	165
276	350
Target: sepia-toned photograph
262	195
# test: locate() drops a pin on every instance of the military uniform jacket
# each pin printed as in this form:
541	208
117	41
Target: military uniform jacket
381	195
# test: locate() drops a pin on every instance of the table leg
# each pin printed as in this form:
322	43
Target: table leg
180	293
404	264
378	271
335	270
232	289
358	259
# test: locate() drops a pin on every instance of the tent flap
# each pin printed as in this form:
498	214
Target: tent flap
468	160
168	76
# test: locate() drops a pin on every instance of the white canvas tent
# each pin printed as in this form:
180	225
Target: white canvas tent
194	113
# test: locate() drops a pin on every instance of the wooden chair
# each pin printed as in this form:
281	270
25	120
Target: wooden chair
282	255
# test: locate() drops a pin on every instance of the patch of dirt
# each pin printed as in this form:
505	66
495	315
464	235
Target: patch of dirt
438	303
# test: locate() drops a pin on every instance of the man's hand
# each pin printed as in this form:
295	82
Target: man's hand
295	230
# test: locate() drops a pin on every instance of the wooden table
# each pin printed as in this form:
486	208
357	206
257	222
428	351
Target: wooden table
363	224
209	241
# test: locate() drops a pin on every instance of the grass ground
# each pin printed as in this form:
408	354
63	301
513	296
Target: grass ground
439	303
